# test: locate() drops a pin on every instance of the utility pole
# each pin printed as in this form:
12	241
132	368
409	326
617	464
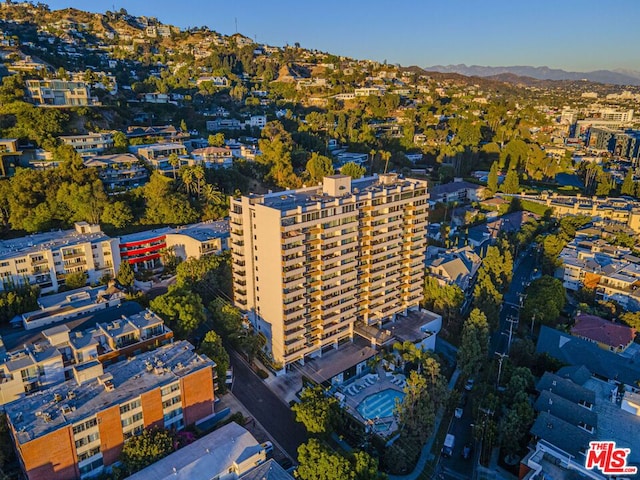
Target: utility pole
522	297
512	321
533	319
501	357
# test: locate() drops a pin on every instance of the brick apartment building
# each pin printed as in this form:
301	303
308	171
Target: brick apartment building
77	428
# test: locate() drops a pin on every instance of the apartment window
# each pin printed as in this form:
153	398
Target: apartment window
130	406
171	401
170	389
21	260
89	454
87	440
84	426
4	264
132	419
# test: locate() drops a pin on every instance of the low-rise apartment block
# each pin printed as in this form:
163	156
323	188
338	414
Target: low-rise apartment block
310	263
77	428
619	210
611	270
157	155
52	360
119	172
60	93
45	259
144	249
90	144
456	191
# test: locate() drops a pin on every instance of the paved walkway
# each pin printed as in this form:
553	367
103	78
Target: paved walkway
426	455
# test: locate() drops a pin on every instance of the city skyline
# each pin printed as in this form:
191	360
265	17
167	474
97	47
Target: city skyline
557	35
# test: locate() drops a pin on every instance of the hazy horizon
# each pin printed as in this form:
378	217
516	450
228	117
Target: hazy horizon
498	33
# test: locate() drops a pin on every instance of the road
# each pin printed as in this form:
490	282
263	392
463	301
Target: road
271	412
521	275
456	467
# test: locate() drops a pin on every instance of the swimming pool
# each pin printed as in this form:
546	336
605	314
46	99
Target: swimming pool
380	405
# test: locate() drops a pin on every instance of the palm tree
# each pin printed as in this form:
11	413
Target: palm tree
174	161
188	179
212	194
199	174
385	156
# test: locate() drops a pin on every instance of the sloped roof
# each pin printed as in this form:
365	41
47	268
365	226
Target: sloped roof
577	351
269	470
603	331
205	458
561	434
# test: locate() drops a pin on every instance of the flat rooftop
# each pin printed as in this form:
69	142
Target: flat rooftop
17	338
332	363
292	199
44	241
413	326
199	231
39	414
205	231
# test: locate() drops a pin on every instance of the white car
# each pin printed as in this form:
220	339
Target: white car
458	412
469	385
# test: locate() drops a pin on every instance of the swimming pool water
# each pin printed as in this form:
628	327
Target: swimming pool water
380	405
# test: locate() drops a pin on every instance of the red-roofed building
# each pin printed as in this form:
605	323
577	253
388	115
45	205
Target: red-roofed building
615	337
213	157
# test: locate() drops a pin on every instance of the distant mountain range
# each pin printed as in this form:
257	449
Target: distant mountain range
615	77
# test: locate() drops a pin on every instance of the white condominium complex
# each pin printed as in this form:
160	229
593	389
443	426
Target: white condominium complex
310	263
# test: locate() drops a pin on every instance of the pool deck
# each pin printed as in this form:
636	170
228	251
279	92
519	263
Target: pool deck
384	382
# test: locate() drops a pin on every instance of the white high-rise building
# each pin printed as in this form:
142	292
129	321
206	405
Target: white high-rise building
310	263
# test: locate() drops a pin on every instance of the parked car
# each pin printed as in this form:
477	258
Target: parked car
466	451
469	385
449	442
458	412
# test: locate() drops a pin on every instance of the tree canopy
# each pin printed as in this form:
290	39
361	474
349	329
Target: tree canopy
316	411
181	309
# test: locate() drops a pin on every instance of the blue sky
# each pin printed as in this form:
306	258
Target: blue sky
570	34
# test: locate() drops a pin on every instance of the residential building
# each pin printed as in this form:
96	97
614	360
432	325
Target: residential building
168	132
619	210
9	156
145	249
224	124
367	91
574	351
615	337
91	144
45	259
213	157
157	155
350	251
575	409
454	266
60	93
343	158
216	81
256	121
63	306
229	453
120	171
51	361
77	428
610	270
621	143
456	191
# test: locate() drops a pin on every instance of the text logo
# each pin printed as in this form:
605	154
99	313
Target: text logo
609	459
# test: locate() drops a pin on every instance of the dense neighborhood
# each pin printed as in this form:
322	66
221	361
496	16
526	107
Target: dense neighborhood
222	259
